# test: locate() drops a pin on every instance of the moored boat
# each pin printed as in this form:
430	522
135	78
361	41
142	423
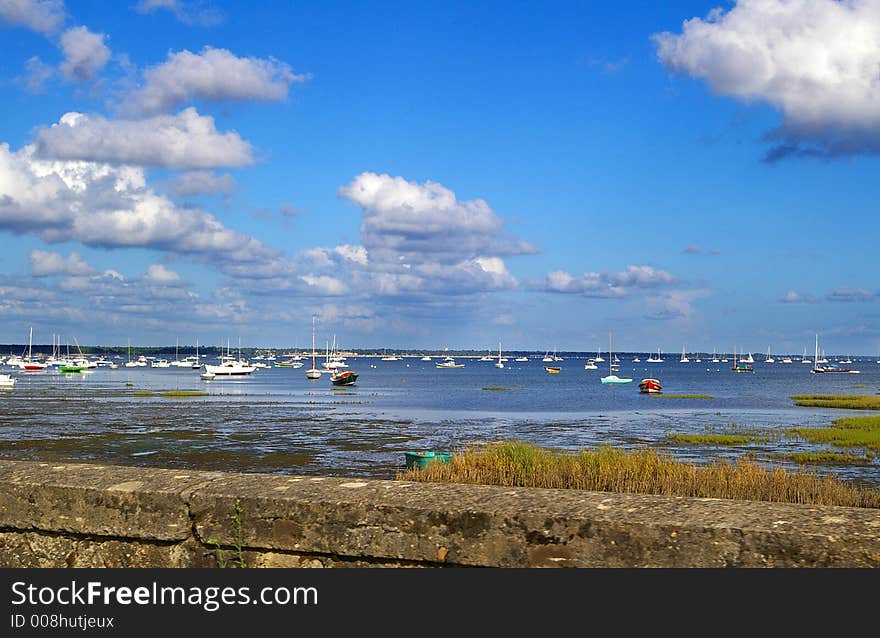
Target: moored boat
650	386
422	459
552	369
346	377
6	381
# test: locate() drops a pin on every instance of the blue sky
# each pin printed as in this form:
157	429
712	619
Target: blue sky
421	177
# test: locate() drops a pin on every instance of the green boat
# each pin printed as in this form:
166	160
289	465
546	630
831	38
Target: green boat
71	368
421	459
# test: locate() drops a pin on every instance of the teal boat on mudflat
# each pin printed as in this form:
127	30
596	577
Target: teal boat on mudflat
421	459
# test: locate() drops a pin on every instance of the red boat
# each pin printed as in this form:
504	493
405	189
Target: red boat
650	386
343	378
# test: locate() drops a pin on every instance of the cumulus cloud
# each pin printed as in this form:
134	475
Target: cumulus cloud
607	284
44	16
792	296
851	294
674	304
159	274
46	264
813	60
184	140
421	240
109	206
425	221
213	74
201	182
84	54
192	13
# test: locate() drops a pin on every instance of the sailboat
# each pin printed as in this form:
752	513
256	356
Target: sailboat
742	365
715	358
684	358
804	357
768	358
817	369
499	363
653	359
313	373
613	378
29	364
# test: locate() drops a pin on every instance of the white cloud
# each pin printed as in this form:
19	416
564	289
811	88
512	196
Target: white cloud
357	254
46	264
84	54
44	16
99	204
814	60
425	221
851	294
159	274
37	74
325	285
674	304
607	284
200	182
792	296
184	140
213	74
189	13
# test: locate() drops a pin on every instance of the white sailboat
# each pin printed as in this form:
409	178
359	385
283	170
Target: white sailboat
613	378
684	357
653	359
313	373
768	358
715	358
804	357
499	363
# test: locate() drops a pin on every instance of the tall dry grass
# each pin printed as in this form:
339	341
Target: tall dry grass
608	469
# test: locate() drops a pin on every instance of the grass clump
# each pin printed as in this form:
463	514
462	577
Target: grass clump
861	431
183	393
844	401
711	439
824	457
608	469
683	396
142	393
491	388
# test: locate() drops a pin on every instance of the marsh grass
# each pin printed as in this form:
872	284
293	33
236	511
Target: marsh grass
183	393
497	389
844	401
849	432
142	393
608	469
683	396
712	439
823	457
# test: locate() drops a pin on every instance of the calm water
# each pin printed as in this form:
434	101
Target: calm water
277	421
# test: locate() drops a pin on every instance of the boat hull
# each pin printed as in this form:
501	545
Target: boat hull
650	386
344	378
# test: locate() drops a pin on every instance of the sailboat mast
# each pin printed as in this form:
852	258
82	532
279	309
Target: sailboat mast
313	342
609	354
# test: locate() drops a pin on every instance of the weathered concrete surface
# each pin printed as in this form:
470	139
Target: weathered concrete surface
81	515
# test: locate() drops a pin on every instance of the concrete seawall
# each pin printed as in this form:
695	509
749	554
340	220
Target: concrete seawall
83	515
